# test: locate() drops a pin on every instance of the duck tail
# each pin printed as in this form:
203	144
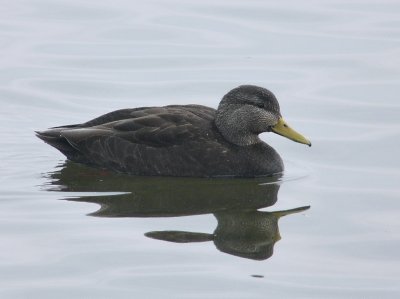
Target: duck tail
54	138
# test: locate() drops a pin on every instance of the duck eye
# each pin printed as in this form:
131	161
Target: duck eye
260	105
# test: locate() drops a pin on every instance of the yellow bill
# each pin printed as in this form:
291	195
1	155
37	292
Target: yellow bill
283	129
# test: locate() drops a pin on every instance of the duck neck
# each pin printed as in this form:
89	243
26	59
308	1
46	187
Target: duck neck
235	127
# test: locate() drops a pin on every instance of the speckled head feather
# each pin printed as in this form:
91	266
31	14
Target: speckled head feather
246	111
252	95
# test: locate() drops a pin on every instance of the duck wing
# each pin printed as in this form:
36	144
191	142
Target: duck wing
170	140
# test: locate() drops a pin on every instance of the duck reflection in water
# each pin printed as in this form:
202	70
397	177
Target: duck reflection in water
242	230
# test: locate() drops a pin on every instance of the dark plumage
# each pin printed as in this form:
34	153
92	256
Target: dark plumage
189	140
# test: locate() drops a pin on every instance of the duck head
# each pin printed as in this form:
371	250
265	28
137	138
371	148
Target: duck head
249	110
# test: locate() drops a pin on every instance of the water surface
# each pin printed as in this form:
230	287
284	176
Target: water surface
68	231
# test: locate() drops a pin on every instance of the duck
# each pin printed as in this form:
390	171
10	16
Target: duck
182	140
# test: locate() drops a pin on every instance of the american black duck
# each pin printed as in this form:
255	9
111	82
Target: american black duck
182	140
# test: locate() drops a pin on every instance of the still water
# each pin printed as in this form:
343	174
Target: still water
69	231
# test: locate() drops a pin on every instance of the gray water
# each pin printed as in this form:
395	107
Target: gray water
334	66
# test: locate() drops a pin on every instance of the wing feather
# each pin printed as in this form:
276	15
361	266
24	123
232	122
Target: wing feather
173	140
